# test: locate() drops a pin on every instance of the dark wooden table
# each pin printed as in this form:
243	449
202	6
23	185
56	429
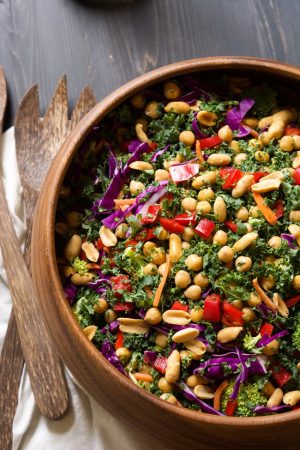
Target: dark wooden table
107	46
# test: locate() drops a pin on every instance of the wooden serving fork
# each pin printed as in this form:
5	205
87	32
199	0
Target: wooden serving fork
37	142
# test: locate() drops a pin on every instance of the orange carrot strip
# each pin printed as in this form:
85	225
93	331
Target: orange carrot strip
267	301
143	377
124	201
265	210
218	394
199	152
162	282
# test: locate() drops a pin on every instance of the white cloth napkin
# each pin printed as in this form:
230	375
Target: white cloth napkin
86	425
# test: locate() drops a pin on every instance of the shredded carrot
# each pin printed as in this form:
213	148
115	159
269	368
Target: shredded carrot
162	282
124	201
265	210
143	377
266	300
218	394
199	152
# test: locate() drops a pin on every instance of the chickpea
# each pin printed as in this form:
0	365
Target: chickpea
123	354
255	143
151	110
189	204
238	304
194	262
164	385
161	269
161	340
153	316
207	119
225	254
193	292
255	212
196	314
235	146
220	238
148	248
242	214
187	138
262	156
201	280
161	175
264	138
188	234
206	194
101	306
110	315
136	187
171	90
296	282
240	158
203	207
163	235
225	133
73	219
274	242
185	245
182	279
243	263
271	348
248	314
150	269
121	230
138	101
287	143
158	255
254	299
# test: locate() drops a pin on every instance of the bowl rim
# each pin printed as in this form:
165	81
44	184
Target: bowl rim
57	173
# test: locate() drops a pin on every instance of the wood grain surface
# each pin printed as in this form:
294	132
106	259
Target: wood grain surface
107	46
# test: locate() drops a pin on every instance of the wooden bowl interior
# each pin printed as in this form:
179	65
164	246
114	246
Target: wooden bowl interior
118	395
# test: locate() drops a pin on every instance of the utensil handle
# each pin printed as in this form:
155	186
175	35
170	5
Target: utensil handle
44	368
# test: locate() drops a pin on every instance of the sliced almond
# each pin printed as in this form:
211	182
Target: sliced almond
141	165
185	335
196	347
90	331
281	307
133	326
108	238
176	317
266	185
91	252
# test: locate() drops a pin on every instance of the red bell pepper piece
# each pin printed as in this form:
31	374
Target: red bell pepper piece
291	131
212	308
171	226
184	172
205	227
151	147
210	142
120	283
279	209
120	340
180	306
231	176
186	219
121	307
232	315
231	225
146	235
296	176
160	364
258	175
266	329
231	407
99	244
280	374
292	301
152	214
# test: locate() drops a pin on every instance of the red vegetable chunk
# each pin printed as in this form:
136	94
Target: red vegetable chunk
205	227
184	172
212	308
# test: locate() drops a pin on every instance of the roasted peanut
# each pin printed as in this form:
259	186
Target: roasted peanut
242	186
171	90
141	166
164	385
266	186
140	133
294	216
108	238
276	398
204	179
136	187
152	110
178	107
291	398
220	209
90	251
225	133
185	335
244	242
133	326
196	347
219	159
207	118
176	317
90	331
281	307
287	143
274	242
204	392
173	367
194	380
81	280
242	214
251	122
175	247
161	175
73	247
248	315
161	340
206	194
203	207
228	334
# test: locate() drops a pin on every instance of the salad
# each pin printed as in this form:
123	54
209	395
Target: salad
178	243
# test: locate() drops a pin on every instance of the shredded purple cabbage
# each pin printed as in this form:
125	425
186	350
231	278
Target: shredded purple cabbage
290	238
149	357
113	326
190	396
235	116
108	352
265	340
70	291
274	409
196	130
159	153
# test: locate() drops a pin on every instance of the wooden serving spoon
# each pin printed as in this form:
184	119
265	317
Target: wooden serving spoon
37	142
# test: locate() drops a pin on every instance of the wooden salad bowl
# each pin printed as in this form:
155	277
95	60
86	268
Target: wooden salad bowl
178	428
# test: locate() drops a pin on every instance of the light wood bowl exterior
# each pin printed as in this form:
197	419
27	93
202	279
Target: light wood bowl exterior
178	428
